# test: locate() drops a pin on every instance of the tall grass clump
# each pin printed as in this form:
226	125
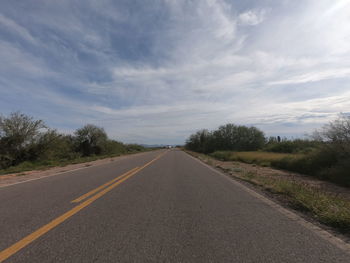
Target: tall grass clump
257	157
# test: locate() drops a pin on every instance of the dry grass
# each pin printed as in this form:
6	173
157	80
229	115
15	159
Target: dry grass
257	157
326	208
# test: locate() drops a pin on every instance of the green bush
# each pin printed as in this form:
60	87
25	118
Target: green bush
114	147
292	146
339	173
134	148
222	155
322	163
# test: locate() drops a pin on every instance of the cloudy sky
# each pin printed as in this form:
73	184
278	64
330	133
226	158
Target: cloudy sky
156	71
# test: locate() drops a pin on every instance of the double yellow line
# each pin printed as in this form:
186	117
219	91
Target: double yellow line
79	199
99	191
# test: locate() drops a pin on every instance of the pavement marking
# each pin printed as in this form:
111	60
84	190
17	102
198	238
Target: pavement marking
90	193
322	233
8	252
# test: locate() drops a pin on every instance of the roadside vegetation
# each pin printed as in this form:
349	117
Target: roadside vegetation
327	208
326	155
257	157
27	144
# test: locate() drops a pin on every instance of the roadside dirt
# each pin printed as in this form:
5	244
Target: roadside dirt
8	179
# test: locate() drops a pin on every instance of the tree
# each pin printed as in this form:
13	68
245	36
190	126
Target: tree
18	133
229	137
90	139
201	141
338	131
336	135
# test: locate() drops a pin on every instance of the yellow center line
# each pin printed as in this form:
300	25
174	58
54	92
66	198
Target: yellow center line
84	196
6	253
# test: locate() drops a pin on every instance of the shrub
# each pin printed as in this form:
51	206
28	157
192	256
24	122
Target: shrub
222	155
134	148
339	173
114	147
292	146
257	157
322	163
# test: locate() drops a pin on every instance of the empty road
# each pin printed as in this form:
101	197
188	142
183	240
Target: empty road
161	206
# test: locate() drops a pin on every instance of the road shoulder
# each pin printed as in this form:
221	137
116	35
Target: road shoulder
329	234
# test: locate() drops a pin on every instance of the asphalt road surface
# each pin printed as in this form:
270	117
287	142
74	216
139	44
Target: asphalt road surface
166	207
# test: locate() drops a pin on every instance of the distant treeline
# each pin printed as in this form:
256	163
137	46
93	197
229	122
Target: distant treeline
228	137
24	139
326	154
231	137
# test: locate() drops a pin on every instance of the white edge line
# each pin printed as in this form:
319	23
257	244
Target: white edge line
324	234
81	168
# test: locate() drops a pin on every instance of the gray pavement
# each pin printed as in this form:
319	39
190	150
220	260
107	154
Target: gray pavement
174	210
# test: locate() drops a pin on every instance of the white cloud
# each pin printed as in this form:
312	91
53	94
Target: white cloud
252	17
19	63
232	72
12	26
202	66
315	76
